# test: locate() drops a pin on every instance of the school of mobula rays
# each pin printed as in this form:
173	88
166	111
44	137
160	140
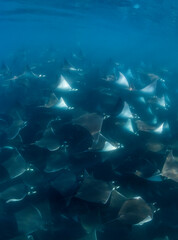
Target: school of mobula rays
86	153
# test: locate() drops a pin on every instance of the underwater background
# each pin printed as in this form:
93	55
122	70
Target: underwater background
129	29
89	119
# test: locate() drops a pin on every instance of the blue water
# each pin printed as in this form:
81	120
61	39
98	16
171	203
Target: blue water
58	177
131	29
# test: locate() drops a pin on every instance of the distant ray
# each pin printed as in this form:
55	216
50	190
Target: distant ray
56	161
162	238
150	173
144	127
154	121
27	74
16	142
141	100
93	190
162	128
92	122
145	220
153	76
167	100
170	167
128	126
44	208
29	220
65	182
75	137
117	199
159	129
162	102
104	145
108	147
129	73
64	85
7	152
154	146
155	178
110	211
15	165
90	236
49	140
135	211
122	81
150	89
55	103
67	66
14	193
23	237
52	101
33	177
17	125
61	104
159	102
109	78
166	126
125	113
90	220
149	110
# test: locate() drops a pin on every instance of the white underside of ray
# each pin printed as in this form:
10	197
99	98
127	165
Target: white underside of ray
129	73
167	99
15	167
155	178
150	89
159	130
125	113
108	147
61	104
63	85
162	102
73	69
154	120
162	127
141	100
166	125
122	81
16	199
149	110
128	126
30	74
147	219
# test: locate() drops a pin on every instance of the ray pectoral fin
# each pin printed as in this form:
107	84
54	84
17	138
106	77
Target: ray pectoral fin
14	193
90	236
135	211
104	145
48	141
15	166
15	128
170	167
122	81
95	191
125	113
52	101
29	220
61	104
63	85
